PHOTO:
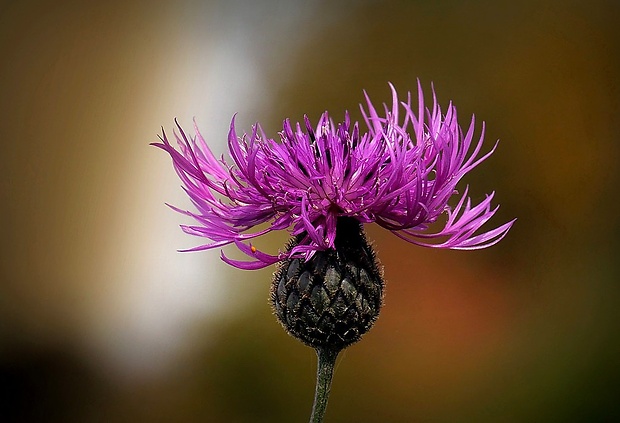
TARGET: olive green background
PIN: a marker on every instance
(102, 320)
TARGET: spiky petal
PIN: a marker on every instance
(401, 172)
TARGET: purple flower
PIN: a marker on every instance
(401, 171)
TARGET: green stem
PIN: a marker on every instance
(324, 373)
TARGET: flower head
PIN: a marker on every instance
(400, 171)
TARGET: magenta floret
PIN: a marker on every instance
(400, 172)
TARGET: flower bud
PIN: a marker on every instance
(331, 300)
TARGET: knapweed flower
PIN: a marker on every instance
(400, 172)
(323, 183)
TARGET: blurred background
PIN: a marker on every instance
(102, 320)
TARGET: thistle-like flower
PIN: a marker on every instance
(322, 184)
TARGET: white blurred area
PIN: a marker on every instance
(89, 250)
(158, 298)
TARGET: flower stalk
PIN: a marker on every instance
(324, 373)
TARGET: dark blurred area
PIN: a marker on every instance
(102, 320)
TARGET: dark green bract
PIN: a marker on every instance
(334, 298)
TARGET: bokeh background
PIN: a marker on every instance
(102, 320)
